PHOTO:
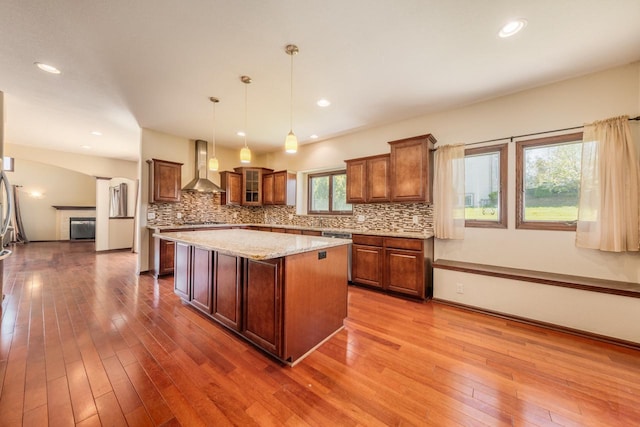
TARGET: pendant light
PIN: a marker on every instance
(213, 161)
(245, 153)
(291, 142)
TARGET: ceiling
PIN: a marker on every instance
(154, 64)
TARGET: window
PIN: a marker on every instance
(328, 193)
(548, 182)
(485, 184)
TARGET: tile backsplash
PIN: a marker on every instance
(194, 206)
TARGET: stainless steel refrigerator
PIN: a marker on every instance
(6, 201)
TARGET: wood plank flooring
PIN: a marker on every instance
(85, 341)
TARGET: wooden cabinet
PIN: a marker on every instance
(201, 260)
(279, 188)
(166, 259)
(267, 189)
(399, 265)
(368, 179)
(404, 266)
(182, 274)
(262, 305)
(356, 180)
(165, 180)
(231, 183)
(410, 170)
(252, 185)
(367, 256)
(227, 290)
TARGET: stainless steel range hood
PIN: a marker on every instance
(201, 183)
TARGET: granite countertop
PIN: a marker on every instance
(388, 233)
(252, 244)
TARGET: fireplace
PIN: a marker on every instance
(82, 228)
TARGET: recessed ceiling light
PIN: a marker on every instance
(48, 68)
(512, 27)
(86, 147)
(96, 133)
(323, 102)
(314, 136)
(240, 133)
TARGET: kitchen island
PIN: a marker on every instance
(286, 294)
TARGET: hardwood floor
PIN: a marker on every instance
(85, 341)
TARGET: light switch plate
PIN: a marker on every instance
(360, 218)
(151, 215)
(179, 215)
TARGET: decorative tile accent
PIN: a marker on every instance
(195, 206)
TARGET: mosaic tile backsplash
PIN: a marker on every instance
(194, 206)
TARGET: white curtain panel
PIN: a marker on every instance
(608, 217)
(448, 192)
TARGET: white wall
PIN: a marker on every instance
(564, 104)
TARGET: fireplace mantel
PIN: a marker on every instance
(74, 208)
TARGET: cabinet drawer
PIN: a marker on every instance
(361, 239)
(403, 243)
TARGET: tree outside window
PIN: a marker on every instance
(328, 193)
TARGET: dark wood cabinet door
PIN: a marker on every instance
(164, 181)
(284, 188)
(404, 272)
(366, 267)
(182, 271)
(201, 297)
(231, 182)
(411, 169)
(262, 305)
(227, 290)
(378, 188)
(167, 256)
(268, 189)
(356, 181)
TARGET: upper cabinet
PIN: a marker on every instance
(368, 179)
(279, 188)
(252, 185)
(165, 180)
(411, 169)
(231, 183)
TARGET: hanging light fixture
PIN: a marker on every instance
(213, 161)
(245, 153)
(291, 142)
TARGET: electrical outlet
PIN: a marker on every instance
(415, 219)
(179, 215)
(460, 288)
(235, 215)
(151, 215)
(290, 217)
(361, 218)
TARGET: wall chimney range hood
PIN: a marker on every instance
(200, 182)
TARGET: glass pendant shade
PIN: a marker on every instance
(213, 164)
(245, 155)
(291, 143)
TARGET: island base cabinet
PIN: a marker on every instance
(227, 290)
(262, 307)
(315, 299)
(201, 279)
(182, 273)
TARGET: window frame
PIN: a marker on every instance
(329, 174)
(521, 223)
(502, 150)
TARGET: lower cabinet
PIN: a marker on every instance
(201, 285)
(227, 290)
(182, 272)
(399, 265)
(367, 260)
(262, 306)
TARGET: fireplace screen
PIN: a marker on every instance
(82, 228)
